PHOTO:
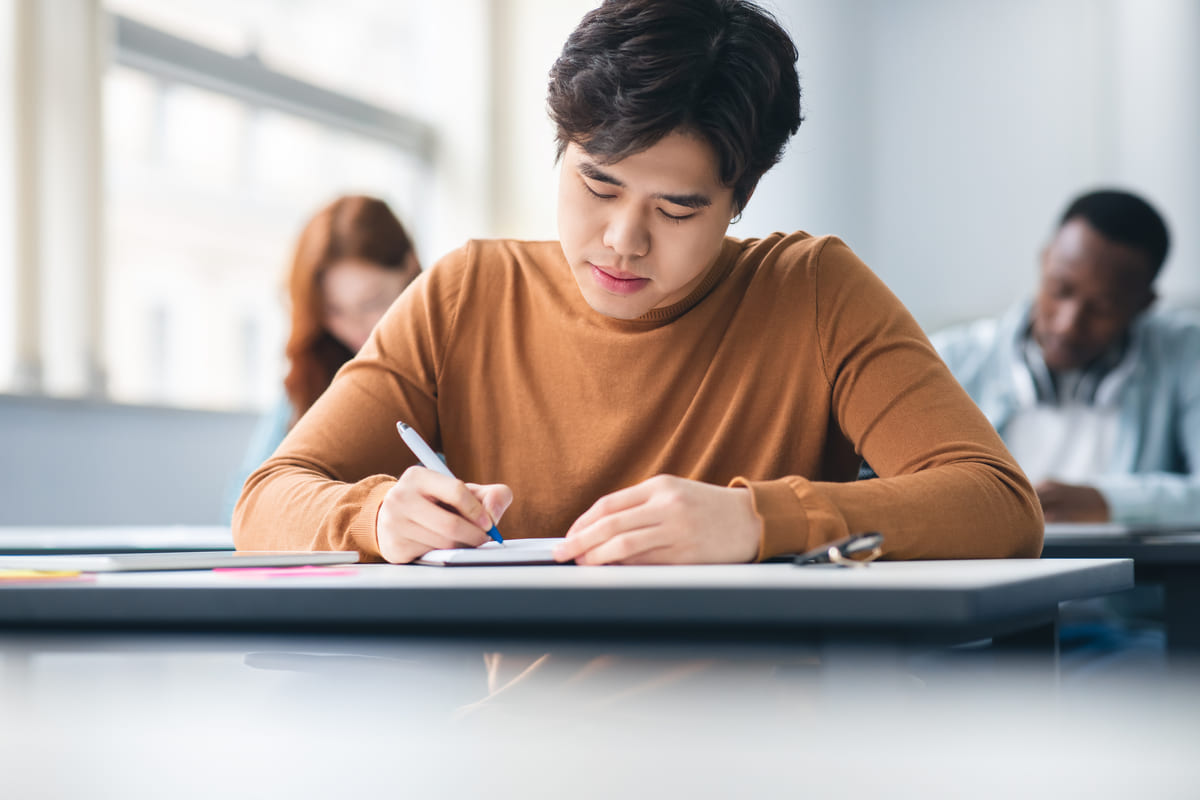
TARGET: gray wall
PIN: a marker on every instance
(944, 137)
(71, 462)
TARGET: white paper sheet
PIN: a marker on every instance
(513, 552)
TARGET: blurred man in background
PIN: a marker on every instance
(1097, 397)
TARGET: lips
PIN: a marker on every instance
(616, 280)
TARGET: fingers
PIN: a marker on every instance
(427, 511)
(621, 538)
(1064, 502)
(624, 527)
(496, 498)
(1049, 487)
(641, 546)
(454, 494)
(441, 525)
(406, 529)
(612, 503)
(666, 519)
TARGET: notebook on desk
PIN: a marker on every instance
(513, 553)
(200, 559)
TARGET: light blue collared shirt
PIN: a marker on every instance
(1153, 474)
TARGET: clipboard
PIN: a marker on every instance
(513, 553)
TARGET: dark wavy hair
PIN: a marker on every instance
(634, 71)
(352, 226)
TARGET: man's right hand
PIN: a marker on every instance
(428, 511)
(1066, 502)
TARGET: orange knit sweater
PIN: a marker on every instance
(789, 363)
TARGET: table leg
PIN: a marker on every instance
(1181, 596)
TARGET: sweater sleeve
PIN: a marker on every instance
(267, 435)
(323, 487)
(947, 486)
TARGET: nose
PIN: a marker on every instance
(627, 233)
(1069, 319)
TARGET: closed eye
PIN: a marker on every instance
(594, 193)
(666, 214)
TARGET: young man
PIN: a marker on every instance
(654, 390)
(1098, 400)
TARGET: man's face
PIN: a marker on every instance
(1091, 289)
(642, 232)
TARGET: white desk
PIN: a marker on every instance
(942, 601)
(401, 711)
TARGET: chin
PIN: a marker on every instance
(610, 305)
(615, 309)
(1066, 364)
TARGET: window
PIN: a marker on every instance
(157, 161)
(213, 162)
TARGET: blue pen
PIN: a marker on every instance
(430, 460)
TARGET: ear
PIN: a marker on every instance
(737, 214)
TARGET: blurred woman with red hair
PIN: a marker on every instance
(352, 259)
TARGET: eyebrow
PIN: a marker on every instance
(590, 170)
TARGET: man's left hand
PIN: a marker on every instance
(1065, 502)
(666, 520)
